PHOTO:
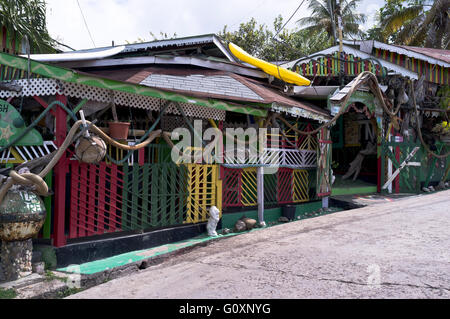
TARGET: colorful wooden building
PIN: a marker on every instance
(401, 70)
(158, 86)
(195, 84)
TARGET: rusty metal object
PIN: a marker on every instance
(22, 214)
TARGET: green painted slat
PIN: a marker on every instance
(410, 176)
(125, 195)
(270, 189)
(173, 183)
(352, 64)
(145, 181)
(432, 166)
(154, 196)
(163, 198)
(135, 196)
(183, 177)
(157, 195)
(321, 66)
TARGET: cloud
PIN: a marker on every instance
(128, 20)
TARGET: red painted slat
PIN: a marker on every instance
(284, 185)
(93, 208)
(231, 188)
(74, 204)
(102, 220)
(115, 198)
(83, 199)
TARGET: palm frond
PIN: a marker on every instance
(396, 20)
(27, 17)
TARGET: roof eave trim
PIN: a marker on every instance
(72, 76)
(409, 53)
(299, 112)
(221, 47)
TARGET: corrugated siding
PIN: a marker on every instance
(330, 65)
(433, 73)
(10, 42)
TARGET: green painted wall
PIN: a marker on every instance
(270, 215)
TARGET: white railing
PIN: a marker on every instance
(27, 153)
(290, 158)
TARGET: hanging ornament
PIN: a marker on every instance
(90, 149)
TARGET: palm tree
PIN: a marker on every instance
(324, 18)
(419, 24)
(27, 18)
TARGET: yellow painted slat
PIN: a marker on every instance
(18, 159)
(203, 187)
(249, 187)
(301, 181)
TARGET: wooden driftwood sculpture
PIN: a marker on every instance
(355, 165)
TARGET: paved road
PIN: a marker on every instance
(399, 249)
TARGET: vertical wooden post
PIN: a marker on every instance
(324, 188)
(260, 191)
(397, 179)
(60, 171)
(380, 166)
(389, 162)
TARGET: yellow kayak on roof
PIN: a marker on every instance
(269, 68)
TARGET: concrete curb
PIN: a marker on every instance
(91, 280)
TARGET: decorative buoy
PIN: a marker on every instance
(22, 214)
(90, 149)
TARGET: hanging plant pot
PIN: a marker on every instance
(119, 130)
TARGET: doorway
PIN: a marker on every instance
(354, 161)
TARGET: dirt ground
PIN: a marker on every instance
(397, 249)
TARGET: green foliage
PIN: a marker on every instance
(27, 18)
(258, 40)
(374, 33)
(323, 17)
(68, 291)
(162, 36)
(7, 293)
(250, 36)
(444, 94)
(413, 22)
(49, 276)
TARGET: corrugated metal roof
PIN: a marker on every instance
(443, 55)
(214, 84)
(425, 54)
(194, 40)
(98, 53)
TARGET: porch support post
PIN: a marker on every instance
(60, 171)
(325, 203)
(390, 166)
(260, 191)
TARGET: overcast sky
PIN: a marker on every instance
(128, 20)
